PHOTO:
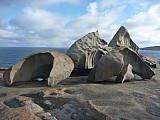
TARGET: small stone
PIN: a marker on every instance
(74, 116)
(67, 111)
(2, 95)
(139, 95)
(154, 111)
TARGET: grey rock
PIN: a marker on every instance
(51, 65)
(85, 52)
(139, 66)
(120, 62)
(122, 39)
(126, 74)
(108, 66)
(152, 62)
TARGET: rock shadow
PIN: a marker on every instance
(30, 84)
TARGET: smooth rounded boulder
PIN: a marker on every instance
(51, 65)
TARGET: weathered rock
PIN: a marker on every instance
(119, 62)
(108, 66)
(152, 62)
(47, 64)
(27, 109)
(2, 70)
(126, 74)
(139, 66)
(123, 39)
(85, 52)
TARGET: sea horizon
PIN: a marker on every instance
(11, 55)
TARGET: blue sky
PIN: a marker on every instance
(58, 23)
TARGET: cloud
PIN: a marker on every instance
(144, 26)
(92, 8)
(36, 25)
(37, 19)
(45, 28)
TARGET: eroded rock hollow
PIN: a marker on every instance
(86, 52)
(51, 65)
(122, 39)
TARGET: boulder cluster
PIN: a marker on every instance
(119, 59)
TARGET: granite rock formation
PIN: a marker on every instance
(122, 39)
(109, 65)
(51, 65)
(139, 66)
(85, 52)
(121, 62)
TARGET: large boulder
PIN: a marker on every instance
(85, 52)
(139, 66)
(122, 39)
(122, 63)
(111, 64)
(51, 65)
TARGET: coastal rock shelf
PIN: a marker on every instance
(120, 58)
(105, 101)
(85, 83)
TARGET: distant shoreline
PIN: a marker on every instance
(151, 48)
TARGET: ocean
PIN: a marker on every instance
(11, 55)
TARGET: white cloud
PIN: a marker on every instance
(45, 28)
(92, 8)
(37, 19)
(37, 26)
(144, 27)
